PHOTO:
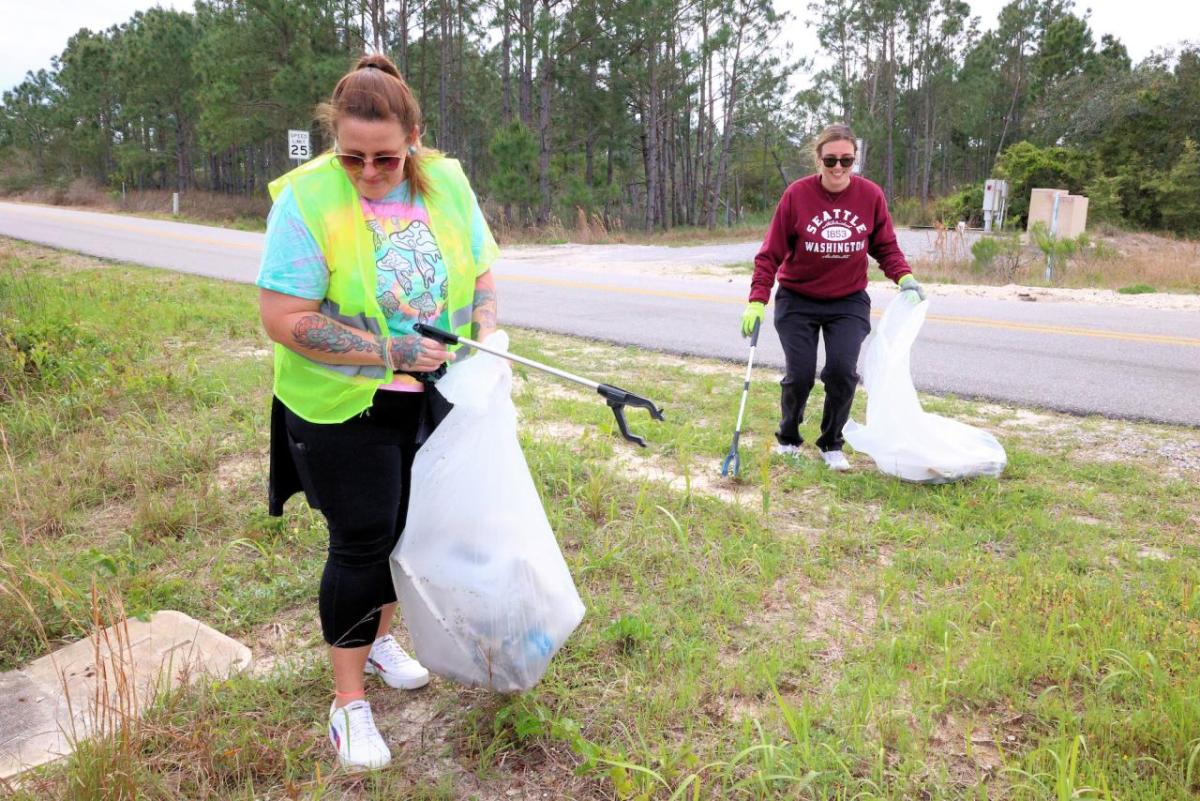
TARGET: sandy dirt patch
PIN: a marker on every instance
(1096, 297)
(1174, 450)
(241, 471)
(970, 750)
(291, 638)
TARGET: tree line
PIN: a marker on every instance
(644, 113)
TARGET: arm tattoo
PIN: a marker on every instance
(318, 332)
(483, 315)
(405, 351)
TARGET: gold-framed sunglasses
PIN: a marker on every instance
(353, 163)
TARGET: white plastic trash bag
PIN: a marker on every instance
(482, 585)
(904, 440)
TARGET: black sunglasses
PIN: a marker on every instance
(352, 163)
(845, 161)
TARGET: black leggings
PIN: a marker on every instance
(357, 473)
(845, 323)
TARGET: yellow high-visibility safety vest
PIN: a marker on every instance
(330, 207)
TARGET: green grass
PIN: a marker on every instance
(793, 634)
(1136, 289)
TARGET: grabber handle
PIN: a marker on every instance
(618, 399)
(445, 337)
(754, 334)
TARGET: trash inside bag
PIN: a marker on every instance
(904, 440)
(482, 584)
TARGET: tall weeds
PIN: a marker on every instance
(107, 747)
(103, 728)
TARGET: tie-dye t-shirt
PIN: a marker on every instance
(410, 271)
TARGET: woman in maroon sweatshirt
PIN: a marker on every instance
(816, 247)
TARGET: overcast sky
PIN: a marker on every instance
(34, 31)
(1141, 28)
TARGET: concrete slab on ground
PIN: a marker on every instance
(90, 686)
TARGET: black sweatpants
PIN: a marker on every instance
(357, 473)
(844, 323)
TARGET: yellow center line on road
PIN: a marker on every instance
(1157, 339)
(57, 215)
(1126, 336)
(977, 322)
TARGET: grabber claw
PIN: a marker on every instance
(616, 397)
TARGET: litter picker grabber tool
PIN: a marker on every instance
(733, 460)
(616, 397)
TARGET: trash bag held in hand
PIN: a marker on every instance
(904, 440)
(482, 585)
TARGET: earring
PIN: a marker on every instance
(412, 150)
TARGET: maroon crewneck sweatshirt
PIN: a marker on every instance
(818, 241)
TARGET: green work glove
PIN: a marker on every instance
(910, 290)
(753, 314)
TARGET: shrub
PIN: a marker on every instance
(998, 256)
(1104, 200)
(1026, 166)
(1139, 191)
(909, 211)
(965, 204)
(1059, 249)
(85, 192)
(1179, 194)
(985, 252)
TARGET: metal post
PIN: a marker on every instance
(1003, 203)
(1053, 239)
(989, 201)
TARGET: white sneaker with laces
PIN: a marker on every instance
(786, 450)
(391, 663)
(836, 461)
(353, 734)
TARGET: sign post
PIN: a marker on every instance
(860, 156)
(1053, 240)
(299, 147)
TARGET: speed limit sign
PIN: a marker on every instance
(298, 146)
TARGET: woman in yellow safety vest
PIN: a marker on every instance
(363, 243)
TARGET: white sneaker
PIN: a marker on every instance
(836, 461)
(786, 450)
(353, 734)
(389, 662)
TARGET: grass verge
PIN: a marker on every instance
(793, 634)
(1126, 261)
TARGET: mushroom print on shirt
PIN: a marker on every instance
(411, 273)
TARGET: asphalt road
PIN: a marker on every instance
(1121, 362)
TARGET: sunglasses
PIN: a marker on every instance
(352, 163)
(830, 161)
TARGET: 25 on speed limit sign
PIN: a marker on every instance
(298, 146)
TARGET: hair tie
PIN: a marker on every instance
(371, 67)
